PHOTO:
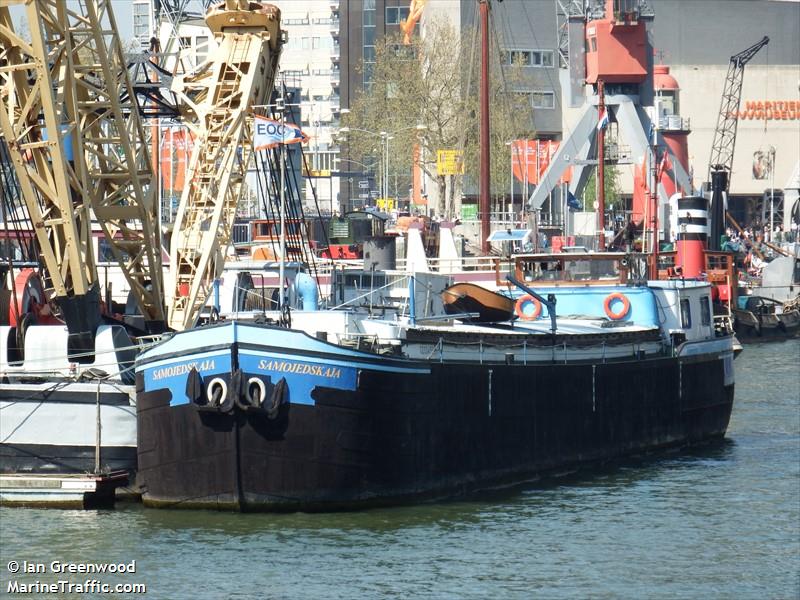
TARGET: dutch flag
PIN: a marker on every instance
(603, 122)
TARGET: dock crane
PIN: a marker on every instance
(218, 99)
(79, 151)
(720, 164)
(727, 122)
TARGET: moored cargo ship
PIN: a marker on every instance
(243, 416)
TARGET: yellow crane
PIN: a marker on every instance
(79, 151)
(218, 101)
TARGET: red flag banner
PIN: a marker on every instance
(533, 157)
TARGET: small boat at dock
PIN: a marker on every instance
(469, 298)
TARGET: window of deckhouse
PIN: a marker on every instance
(686, 314)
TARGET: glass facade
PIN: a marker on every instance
(368, 52)
(396, 14)
(529, 58)
(141, 22)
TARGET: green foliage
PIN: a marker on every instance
(434, 82)
(611, 186)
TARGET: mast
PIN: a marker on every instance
(601, 171)
(484, 130)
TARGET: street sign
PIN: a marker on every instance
(363, 184)
(469, 212)
(363, 195)
(450, 162)
(386, 204)
(374, 193)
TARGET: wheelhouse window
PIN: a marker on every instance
(705, 310)
(686, 314)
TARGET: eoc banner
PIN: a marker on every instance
(269, 133)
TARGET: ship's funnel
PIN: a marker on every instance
(719, 183)
(692, 235)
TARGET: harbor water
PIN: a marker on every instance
(721, 521)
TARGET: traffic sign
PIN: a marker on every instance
(363, 184)
(363, 195)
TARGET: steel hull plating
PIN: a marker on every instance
(447, 430)
(53, 428)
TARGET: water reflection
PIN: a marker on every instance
(720, 520)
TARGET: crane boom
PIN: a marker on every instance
(52, 185)
(414, 15)
(79, 151)
(219, 98)
(727, 122)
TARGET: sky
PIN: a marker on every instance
(123, 13)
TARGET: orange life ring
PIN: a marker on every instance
(626, 306)
(519, 308)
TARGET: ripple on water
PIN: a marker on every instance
(721, 521)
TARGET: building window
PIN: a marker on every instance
(201, 48)
(368, 30)
(538, 98)
(315, 43)
(686, 314)
(301, 21)
(529, 58)
(396, 14)
(141, 20)
(541, 99)
(705, 310)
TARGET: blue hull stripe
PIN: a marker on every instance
(372, 366)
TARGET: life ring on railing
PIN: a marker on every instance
(519, 308)
(626, 306)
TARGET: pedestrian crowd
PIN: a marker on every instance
(753, 244)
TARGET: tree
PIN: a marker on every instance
(433, 82)
(610, 186)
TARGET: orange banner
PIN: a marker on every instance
(534, 156)
(176, 148)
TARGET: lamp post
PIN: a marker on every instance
(368, 173)
(771, 191)
(385, 136)
(315, 116)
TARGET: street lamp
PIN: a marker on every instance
(385, 137)
(369, 172)
(771, 192)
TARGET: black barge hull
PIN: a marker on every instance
(400, 437)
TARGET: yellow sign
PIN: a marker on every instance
(450, 162)
(385, 204)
